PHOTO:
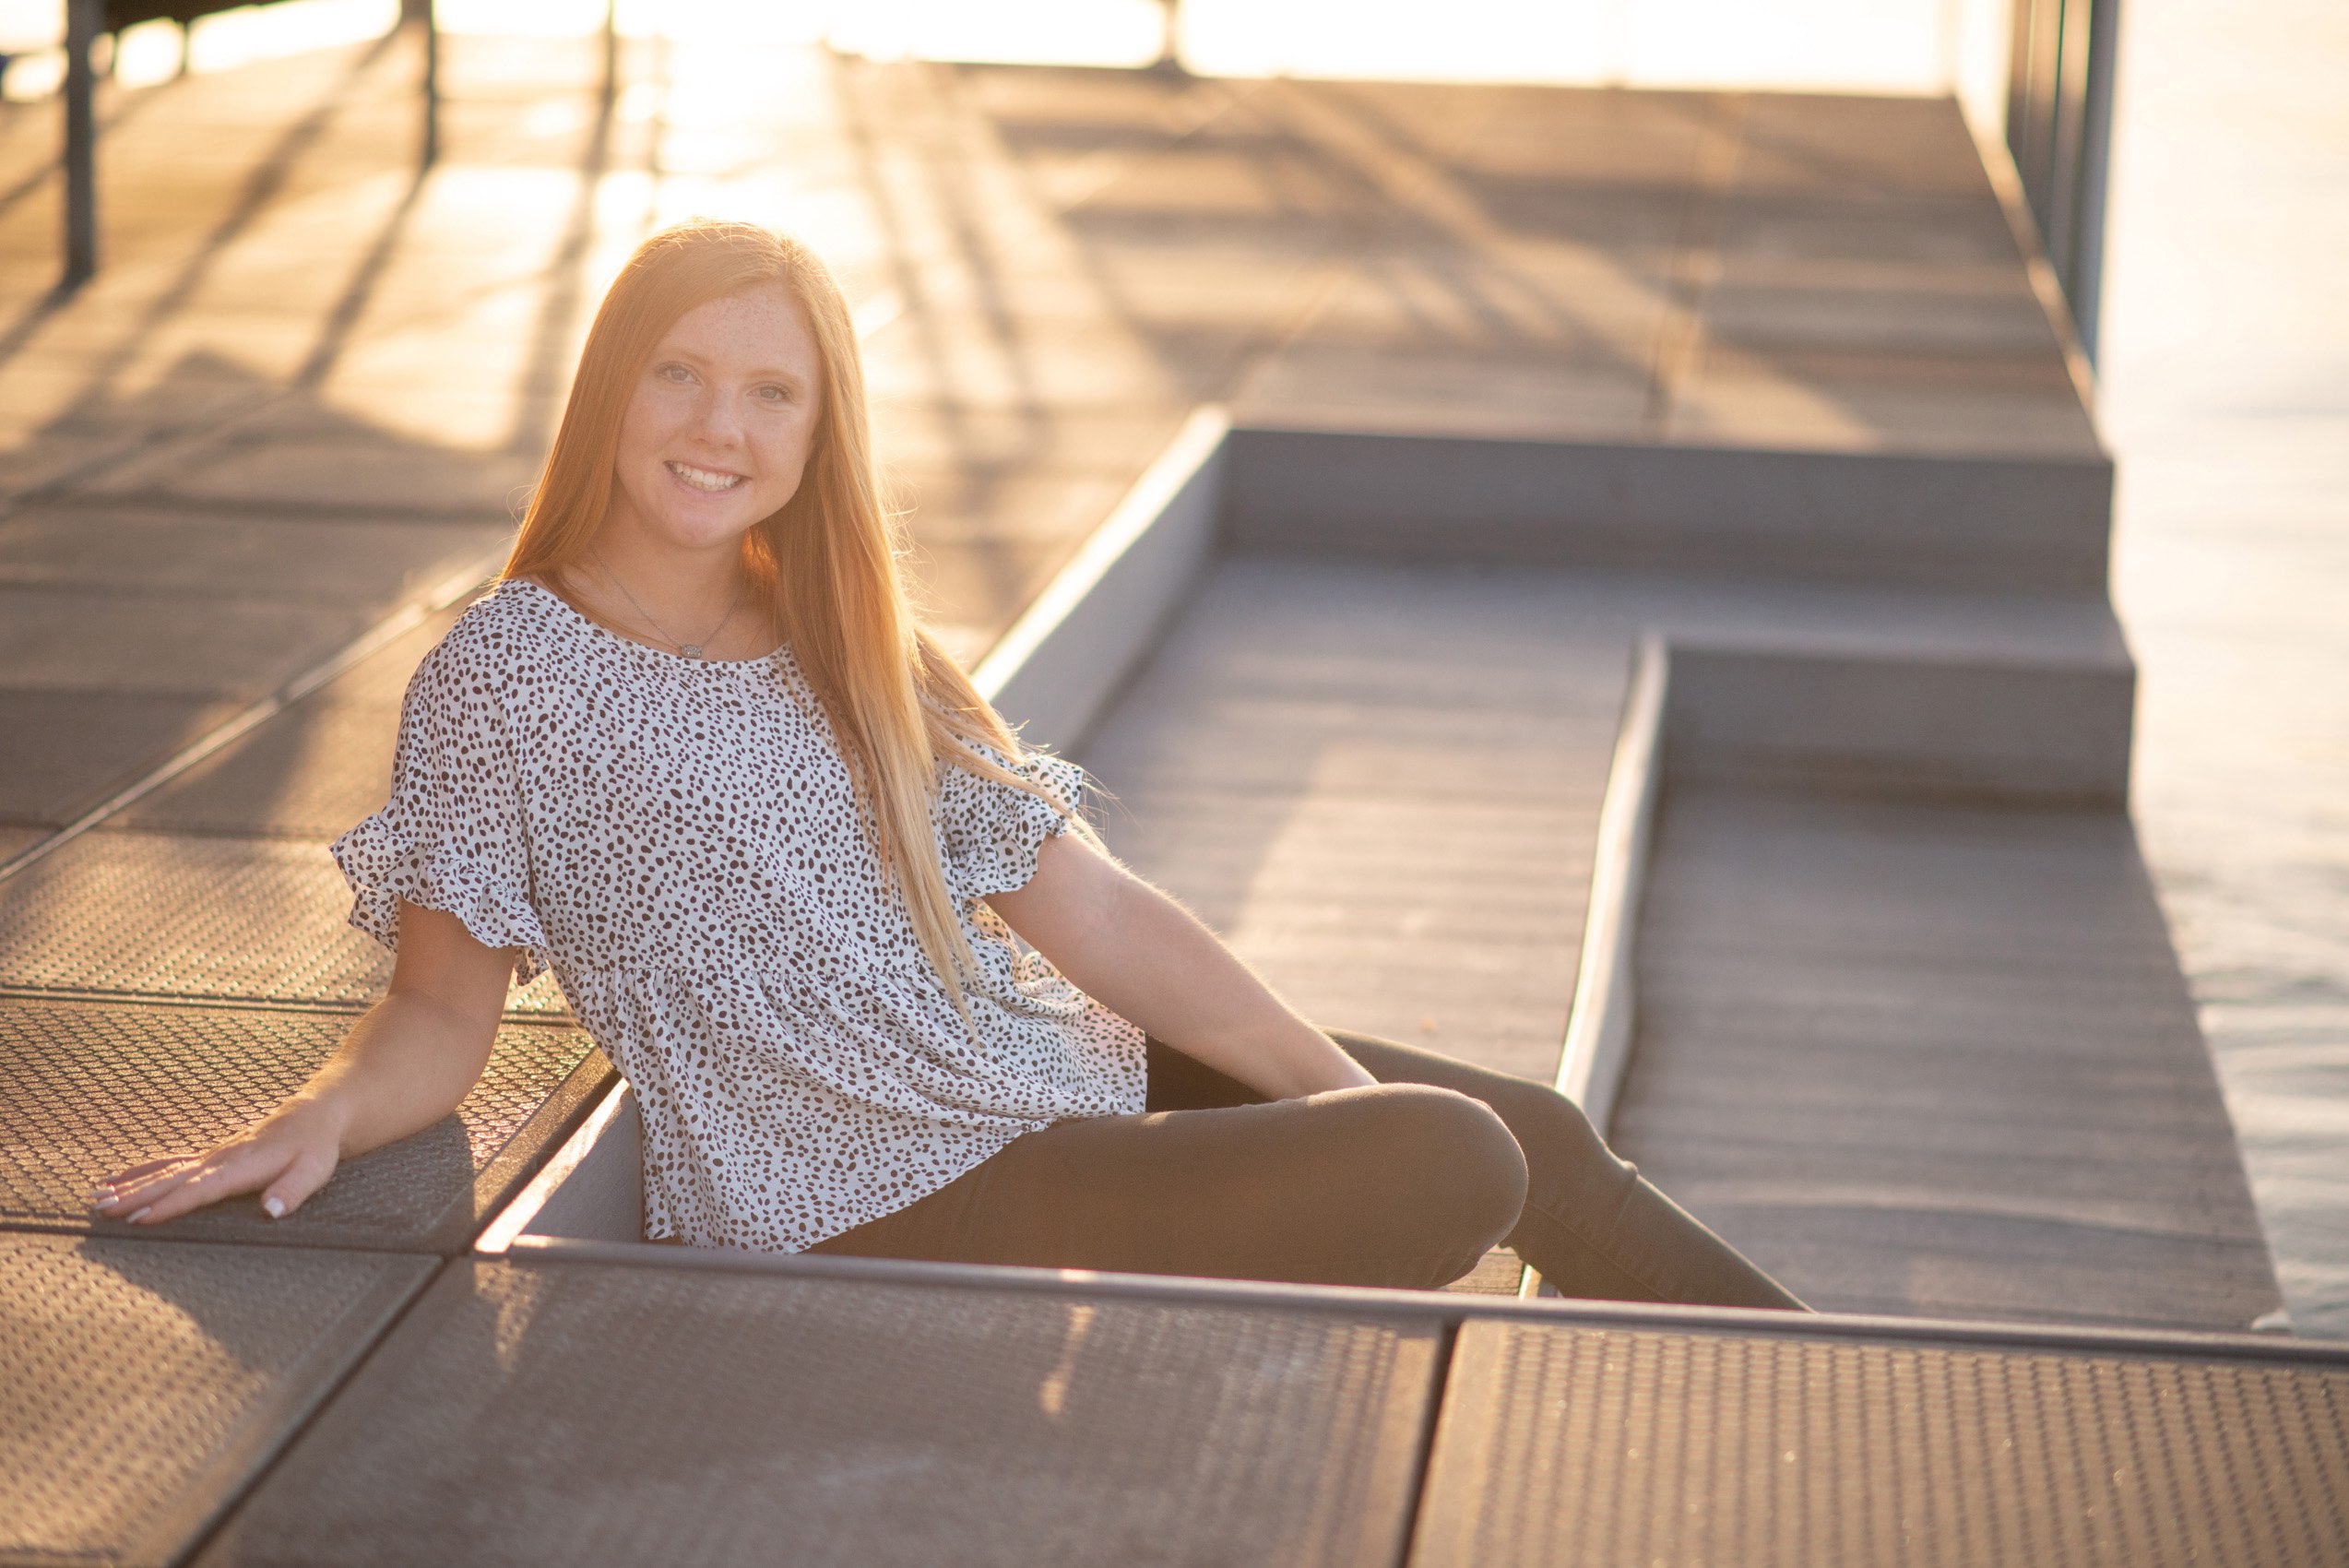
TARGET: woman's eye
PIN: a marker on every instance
(675, 372)
(773, 394)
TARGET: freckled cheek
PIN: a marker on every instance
(646, 430)
(783, 460)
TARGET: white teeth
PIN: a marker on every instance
(703, 479)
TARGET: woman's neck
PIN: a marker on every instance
(664, 573)
(685, 600)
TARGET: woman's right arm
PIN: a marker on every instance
(403, 1066)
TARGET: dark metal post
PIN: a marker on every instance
(419, 12)
(611, 52)
(2060, 199)
(84, 19)
(2086, 285)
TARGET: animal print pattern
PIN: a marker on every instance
(680, 841)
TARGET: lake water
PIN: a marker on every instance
(2227, 401)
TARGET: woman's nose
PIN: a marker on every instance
(715, 418)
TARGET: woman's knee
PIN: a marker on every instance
(1465, 1175)
(1558, 1140)
(1549, 1128)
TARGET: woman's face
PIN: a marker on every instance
(718, 429)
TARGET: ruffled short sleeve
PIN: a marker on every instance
(451, 838)
(991, 832)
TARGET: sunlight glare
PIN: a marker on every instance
(1881, 45)
(148, 53)
(28, 25)
(32, 77)
(1042, 32)
(1072, 33)
(1849, 45)
(520, 18)
(1816, 43)
(741, 21)
(229, 38)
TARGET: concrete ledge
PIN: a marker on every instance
(1057, 667)
(1880, 722)
(1892, 722)
(1598, 1027)
(2036, 526)
(593, 1188)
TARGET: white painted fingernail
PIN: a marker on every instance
(142, 1214)
(276, 1206)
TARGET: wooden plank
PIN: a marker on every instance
(1382, 784)
(1931, 1058)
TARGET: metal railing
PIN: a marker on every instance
(2060, 118)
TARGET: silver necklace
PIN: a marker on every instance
(691, 650)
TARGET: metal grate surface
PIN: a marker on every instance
(88, 1088)
(142, 1383)
(242, 920)
(313, 769)
(1603, 1447)
(1499, 1273)
(577, 1414)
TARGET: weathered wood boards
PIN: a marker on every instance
(1920, 1055)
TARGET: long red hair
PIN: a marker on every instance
(900, 709)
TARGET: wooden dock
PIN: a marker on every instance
(1517, 381)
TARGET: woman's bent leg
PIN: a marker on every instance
(1399, 1184)
(1593, 1225)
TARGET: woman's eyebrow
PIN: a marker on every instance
(702, 362)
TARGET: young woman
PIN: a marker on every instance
(877, 988)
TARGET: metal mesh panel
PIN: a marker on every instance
(1595, 1447)
(579, 1414)
(140, 1382)
(244, 919)
(311, 771)
(88, 1088)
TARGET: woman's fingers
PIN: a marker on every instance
(134, 1202)
(305, 1175)
(284, 1160)
(122, 1195)
(242, 1168)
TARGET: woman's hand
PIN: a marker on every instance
(404, 1066)
(1147, 958)
(285, 1157)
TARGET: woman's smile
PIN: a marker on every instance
(710, 481)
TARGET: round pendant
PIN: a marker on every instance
(693, 650)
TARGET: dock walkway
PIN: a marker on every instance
(1517, 378)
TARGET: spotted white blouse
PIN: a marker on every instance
(680, 841)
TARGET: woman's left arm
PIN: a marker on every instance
(1147, 958)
